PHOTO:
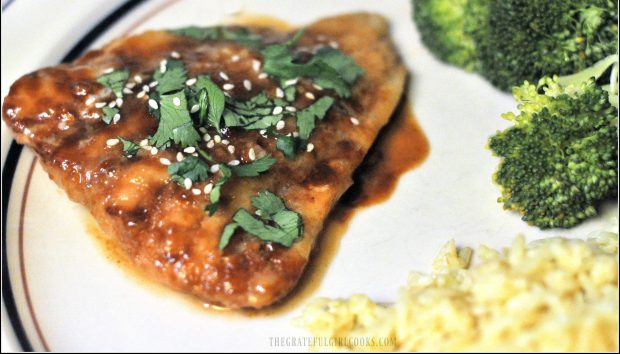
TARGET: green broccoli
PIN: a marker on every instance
(529, 39)
(559, 160)
(443, 29)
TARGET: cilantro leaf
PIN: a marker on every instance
(276, 223)
(173, 79)
(108, 114)
(306, 118)
(239, 35)
(340, 62)
(215, 195)
(129, 147)
(115, 81)
(254, 168)
(253, 114)
(175, 123)
(267, 204)
(213, 107)
(190, 167)
(287, 145)
(227, 233)
(199, 33)
(329, 67)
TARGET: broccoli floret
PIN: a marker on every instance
(443, 29)
(559, 160)
(529, 39)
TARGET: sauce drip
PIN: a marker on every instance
(400, 147)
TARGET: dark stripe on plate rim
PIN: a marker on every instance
(8, 173)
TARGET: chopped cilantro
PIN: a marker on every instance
(173, 79)
(239, 35)
(108, 114)
(329, 67)
(253, 114)
(211, 100)
(190, 167)
(276, 224)
(306, 117)
(175, 123)
(214, 197)
(115, 81)
(129, 147)
(287, 145)
(254, 168)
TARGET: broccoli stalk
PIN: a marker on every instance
(559, 160)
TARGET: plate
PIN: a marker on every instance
(63, 291)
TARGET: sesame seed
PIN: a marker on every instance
(95, 116)
(202, 130)
(235, 58)
(119, 102)
(141, 94)
(137, 79)
(147, 147)
(210, 144)
(90, 100)
(146, 88)
(231, 149)
(189, 150)
(309, 95)
(162, 69)
(175, 54)
(187, 183)
(165, 161)
(291, 109)
(144, 142)
(112, 104)
(100, 104)
(112, 142)
(108, 70)
(127, 91)
(256, 65)
(164, 62)
(334, 44)
(277, 110)
(153, 84)
(317, 87)
(263, 132)
(228, 87)
(218, 139)
(191, 81)
(176, 101)
(355, 121)
(154, 150)
(116, 118)
(153, 104)
(280, 125)
(309, 147)
(262, 76)
(214, 168)
(208, 188)
(247, 84)
(290, 82)
(194, 109)
(206, 137)
(180, 156)
(279, 92)
(130, 85)
(225, 141)
(295, 134)
(196, 191)
(252, 154)
(223, 75)
(234, 163)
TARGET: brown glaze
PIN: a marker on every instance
(400, 147)
(161, 226)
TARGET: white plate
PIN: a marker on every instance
(69, 296)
